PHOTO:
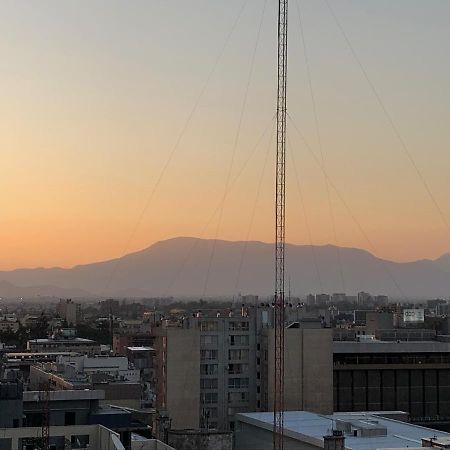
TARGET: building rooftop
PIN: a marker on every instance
(85, 394)
(375, 431)
(141, 349)
(62, 339)
(375, 346)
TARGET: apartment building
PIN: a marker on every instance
(220, 362)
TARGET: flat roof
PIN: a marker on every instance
(141, 349)
(41, 354)
(75, 394)
(391, 347)
(67, 340)
(309, 427)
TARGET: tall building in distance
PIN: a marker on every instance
(69, 311)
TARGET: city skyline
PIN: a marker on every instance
(94, 106)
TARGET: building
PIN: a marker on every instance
(19, 363)
(69, 311)
(338, 297)
(339, 431)
(177, 367)
(64, 340)
(363, 298)
(123, 340)
(8, 323)
(11, 405)
(142, 358)
(322, 299)
(200, 439)
(308, 369)
(378, 320)
(407, 376)
(120, 383)
(220, 364)
(92, 437)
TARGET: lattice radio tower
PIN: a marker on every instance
(280, 204)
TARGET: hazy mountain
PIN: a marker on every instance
(180, 266)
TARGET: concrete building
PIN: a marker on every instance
(120, 383)
(8, 323)
(117, 366)
(11, 405)
(92, 437)
(64, 340)
(123, 340)
(308, 431)
(177, 366)
(69, 311)
(142, 358)
(363, 298)
(200, 439)
(19, 363)
(308, 370)
(378, 320)
(322, 299)
(220, 363)
(338, 297)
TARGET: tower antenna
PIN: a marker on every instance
(280, 204)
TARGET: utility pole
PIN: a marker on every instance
(280, 203)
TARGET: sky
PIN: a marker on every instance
(125, 123)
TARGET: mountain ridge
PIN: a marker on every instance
(178, 267)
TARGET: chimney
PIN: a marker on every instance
(334, 441)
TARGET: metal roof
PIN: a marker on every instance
(310, 428)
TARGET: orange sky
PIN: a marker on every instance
(93, 103)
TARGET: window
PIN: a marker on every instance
(238, 354)
(208, 397)
(208, 354)
(208, 369)
(208, 383)
(237, 383)
(238, 326)
(209, 326)
(237, 369)
(210, 413)
(237, 397)
(239, 339)
(69, 418)
(208, 340)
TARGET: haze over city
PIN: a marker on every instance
(97, 97)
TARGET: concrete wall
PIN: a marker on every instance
(183, 377)
(308, 369)
(318, 371)
(100, 438)
(150, 444)
(197, 440)
(249, 437)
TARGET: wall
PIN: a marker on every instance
(99, 437)
(183, 377)
(250, 437)
(191, 440)
(308, 369)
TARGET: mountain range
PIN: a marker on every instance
(203, 268)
